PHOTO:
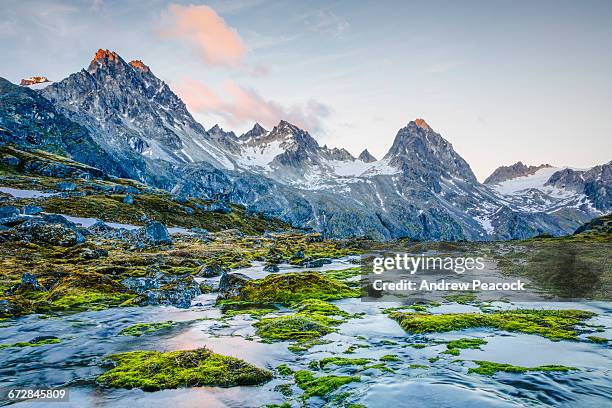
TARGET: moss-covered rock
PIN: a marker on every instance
(291, 287)
(552, 324)
(292, 327)
(152, 370)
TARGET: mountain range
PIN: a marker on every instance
(121, 118)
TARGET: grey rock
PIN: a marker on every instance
(271, 268)
(66, 186)
(231, 284)
(155, 233)
(128, 199)
(210, 271)
(32, 210)
(10, 160)
(43, 232)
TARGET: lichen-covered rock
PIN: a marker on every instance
(66, 186)
(97, 253)
(10, 160)
(128, 199)
(160, 289)
(41, 232)
(231, 284)
(271, 267)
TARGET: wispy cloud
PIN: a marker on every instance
(326, 22)
(203, 28)
(243, 105)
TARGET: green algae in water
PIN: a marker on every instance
(153, 370)
(597, 339)
(139, 329)
(321, 386)
(489, 368)
(552, 324)
(390, 357)
(454, 347)
(283, 369)
(34, 343)
(342, 361)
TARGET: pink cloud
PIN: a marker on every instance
(200, 25)
(245, 106)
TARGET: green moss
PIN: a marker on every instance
(390, 357)
(152, 370)
(283, 369)
(320, 386)
(552, 324)
(320, 307)
(38, 343)
(379, 366)
(417, 345)
(283, 405)
(343, 274)
(343, 361)
(351, 349)
(597, 339)
(416, 366)
(139, 329)
(454, 347)
(461, 298)
(288, 288)
(292, 327)
(490, 368)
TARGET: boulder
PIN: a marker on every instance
(210, 271)
(10, 160)
(128, 199)
(9, 215)
(159, 289)
(316, 263)
(231, 284)
(97, 253)
(32, 210)
(271, 267)
(43, 232)
(66, 186)
(155, 233)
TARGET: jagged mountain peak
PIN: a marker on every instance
(218, 131)
(420, 151)
(105, 59)
(254, 133)
(366, 157)
(139, 65)
(422, 124)
(291, 136)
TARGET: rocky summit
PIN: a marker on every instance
(120, 118)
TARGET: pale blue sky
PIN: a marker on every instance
(502, 81)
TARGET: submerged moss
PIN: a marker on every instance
(139, 329)
(490, 368)
(321, 386)
(152, 370)
(342, 361)
(390, 357)
(33, 343)
(461, 298)
(552, 324)
(597, 339)
(454, 347)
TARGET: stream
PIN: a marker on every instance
(87, 337)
